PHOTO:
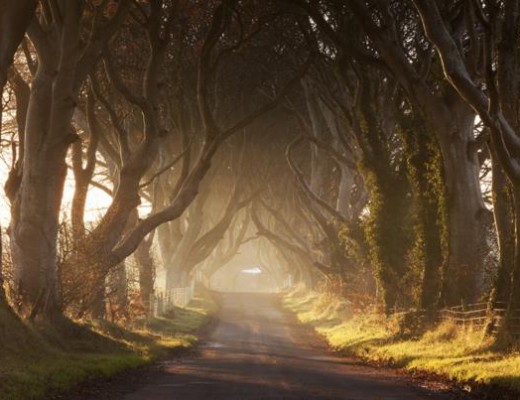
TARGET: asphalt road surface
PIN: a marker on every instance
(257, 351)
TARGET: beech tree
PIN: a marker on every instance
(352, 141)
(495, 103)
(57, 31)
(36, 199)
(14, 19)
(396, 42)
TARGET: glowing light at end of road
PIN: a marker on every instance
(252, 270)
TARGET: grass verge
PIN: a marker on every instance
(462, 355)
(36, 360)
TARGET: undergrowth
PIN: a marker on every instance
(461, 354)
(38, 360)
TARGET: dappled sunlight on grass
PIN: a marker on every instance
(461, 354)
(36, 360)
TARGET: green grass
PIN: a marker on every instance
(464, 355)
(36, 360)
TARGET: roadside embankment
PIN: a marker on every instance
(462, 355)
(36, 360)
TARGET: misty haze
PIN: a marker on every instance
(260, 199)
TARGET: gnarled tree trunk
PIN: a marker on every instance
(35, 210)
(466, 212)
(146, 264)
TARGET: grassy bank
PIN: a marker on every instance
(459, 354)
(37, 360)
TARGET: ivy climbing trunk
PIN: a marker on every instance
(427, 185)
(504, 224)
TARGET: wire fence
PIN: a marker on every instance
(481, 315)
(477, 316)
(288, 282)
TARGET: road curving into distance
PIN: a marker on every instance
(257, 351)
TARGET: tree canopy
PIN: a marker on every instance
(369, 146)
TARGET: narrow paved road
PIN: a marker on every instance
(256, 351)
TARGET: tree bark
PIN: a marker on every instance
(514, 295)
(63, 64)
(118, 292)
(34, 221)
(83, 175)
(15, 17)
(427, 187)
(146, 264)
(175, 272)
(504, 224)
(466, 215)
